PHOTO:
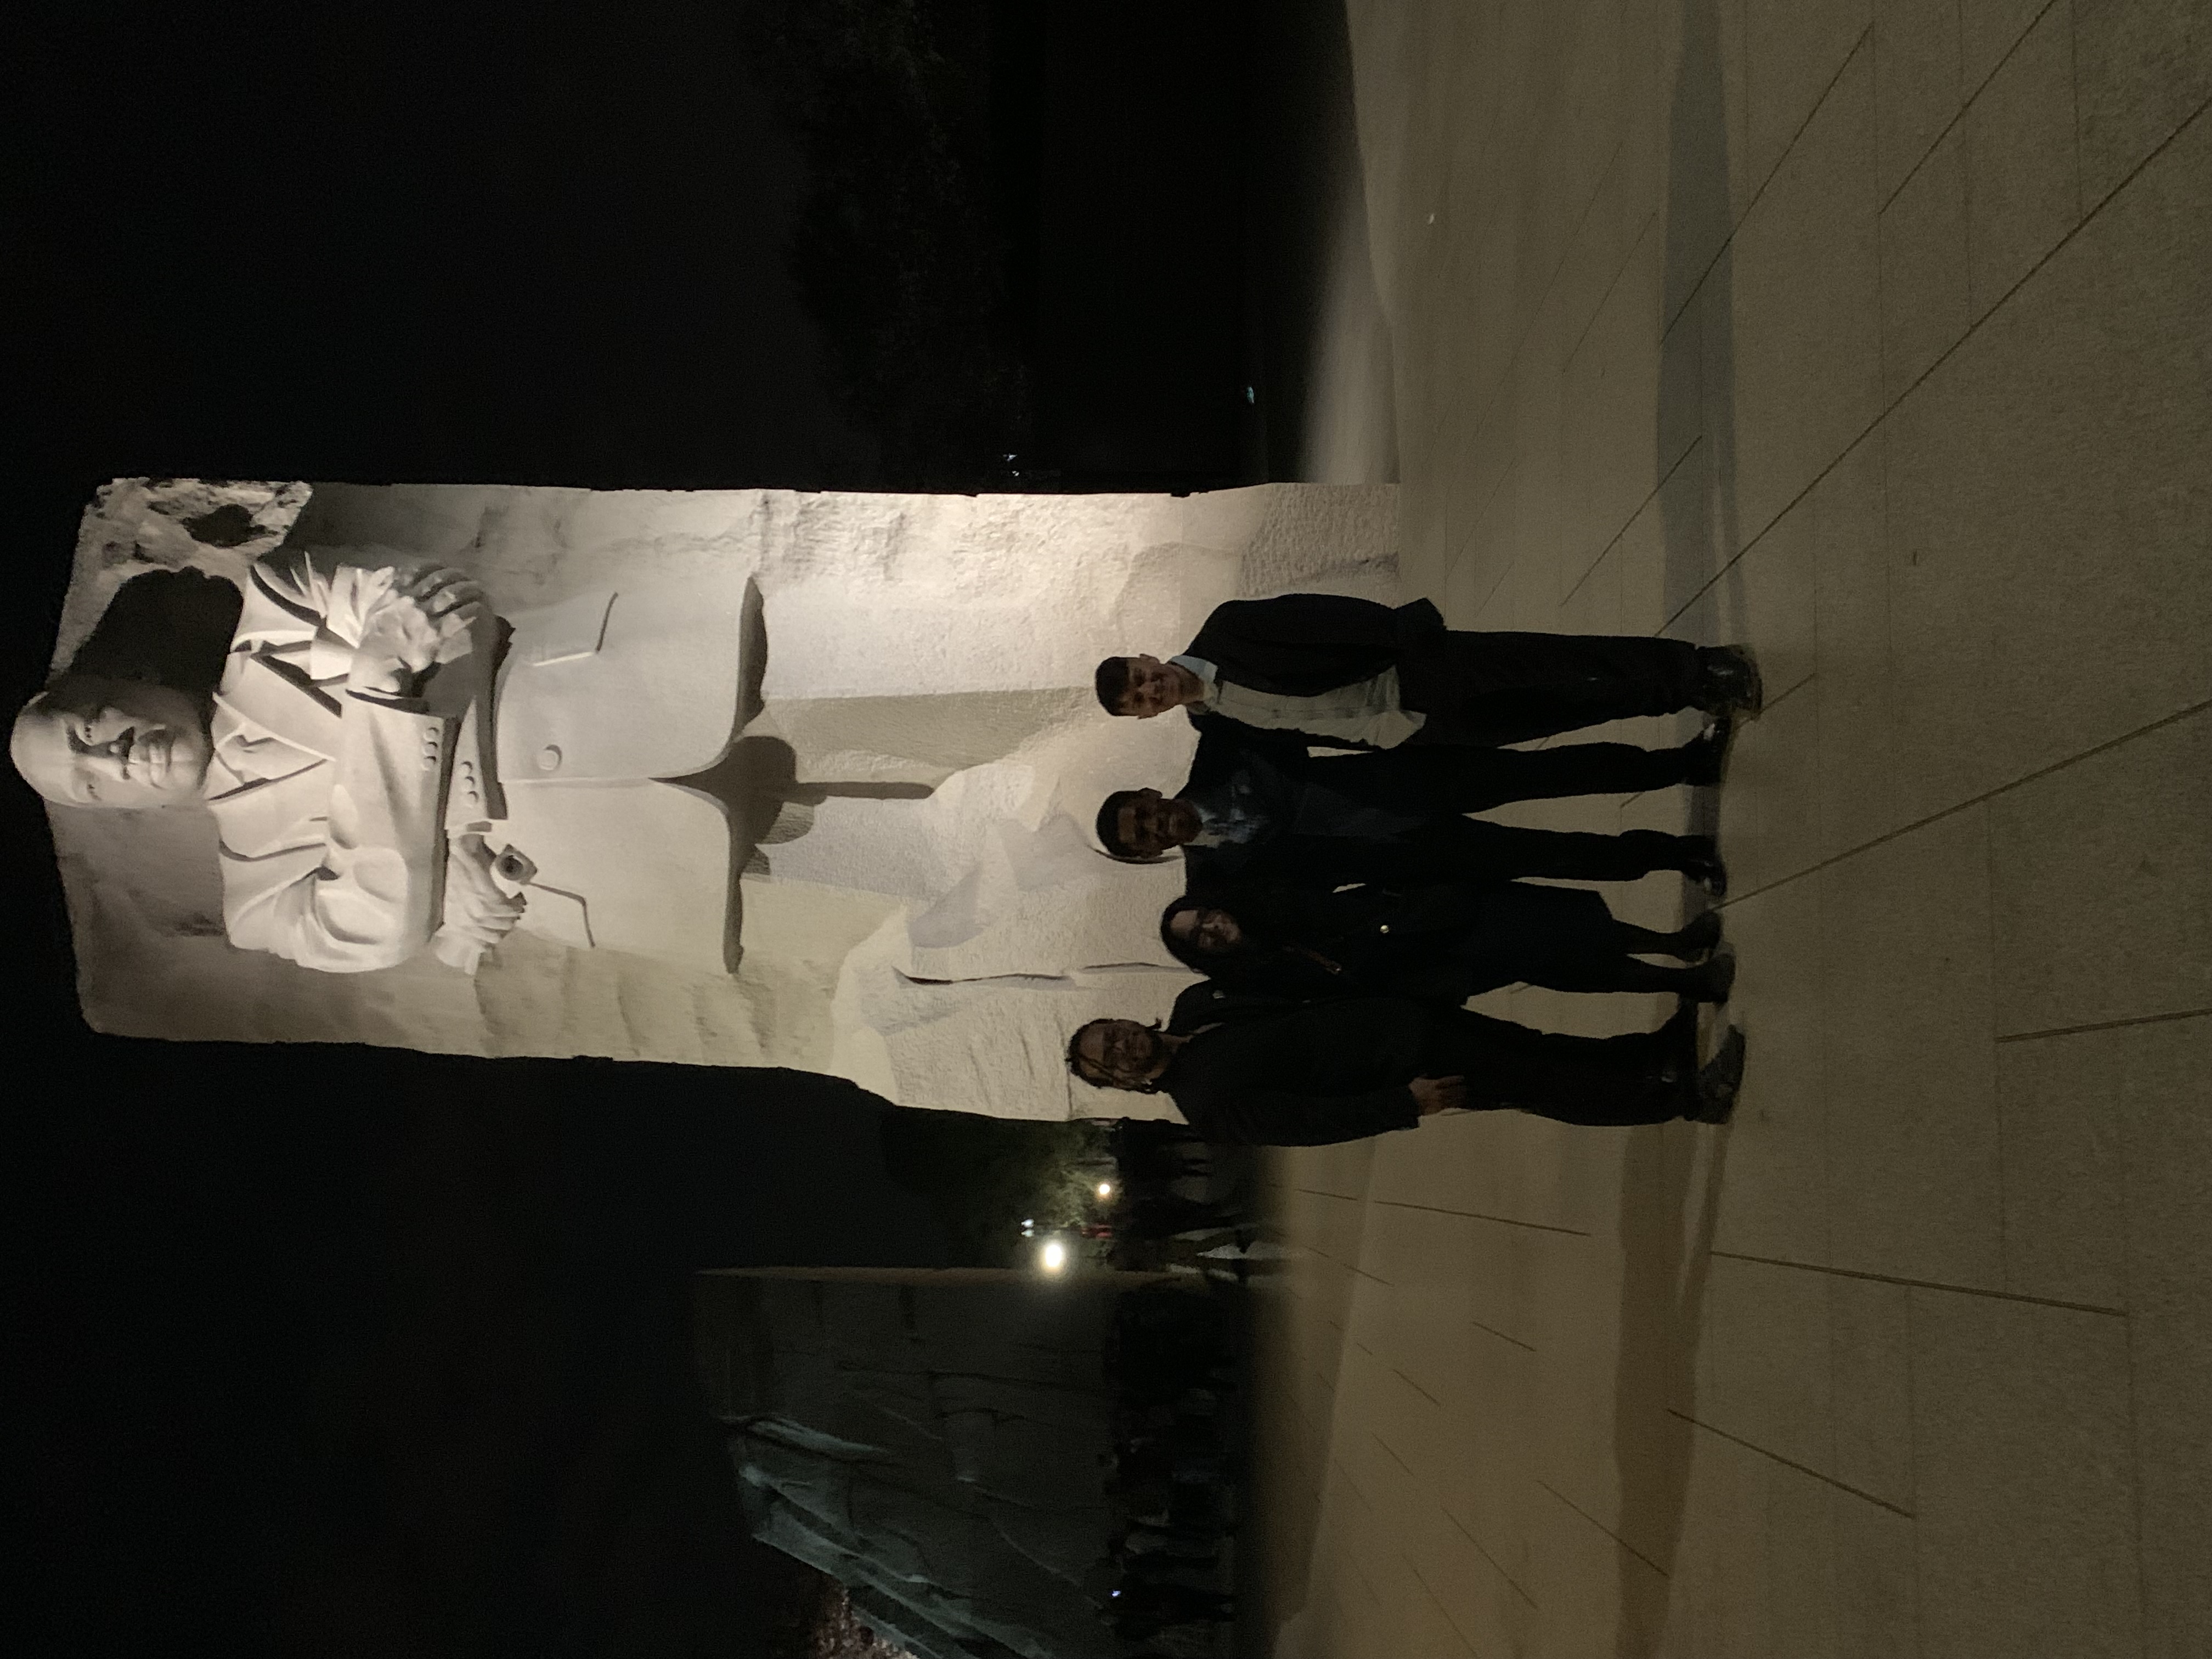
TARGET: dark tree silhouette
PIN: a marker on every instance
(983, 1176)
(901, 248)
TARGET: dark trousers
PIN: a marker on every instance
(1562, 938)
(1445, 778)
(1488, 688)
(1646, 1078)
(1483, 851)
(1448, 849)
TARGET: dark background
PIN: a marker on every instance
(342, 1351)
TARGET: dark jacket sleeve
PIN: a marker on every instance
(1301, 644)
(1224, 745)
(1271, 1117)
(1443, 907)
(1317, 619)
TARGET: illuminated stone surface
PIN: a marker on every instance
(908, 800)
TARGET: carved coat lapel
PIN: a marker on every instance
(298, 728)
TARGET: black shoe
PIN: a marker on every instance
(1716, 978)
(1704, 757)
(1729, 681)
(1698, 935)
(1720, 1081)
(1702, 865)
(1677, 1042)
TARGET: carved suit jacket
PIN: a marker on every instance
(334, 810)
(330, 807)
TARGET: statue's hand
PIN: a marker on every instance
(477, 906)
(426, 620)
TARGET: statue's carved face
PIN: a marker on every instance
(88, 741)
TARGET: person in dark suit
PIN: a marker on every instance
(1260, 1071)
(1352, 671)
(1447, 942)
(1258, 808)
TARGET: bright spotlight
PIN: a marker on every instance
(1105, 1189)
(1053, 1257)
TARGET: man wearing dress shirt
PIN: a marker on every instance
(1258, 808)
(1354, 673)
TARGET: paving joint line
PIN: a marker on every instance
(1971, 329)
(1501, 1336)
(1752, 201)
(1477, 1215)
(1606, 1530)
(2105, 1025)
(1923, 1284)
(1509, 1578)
(1439, 1603)
(1417, 1388)
(1965, 102)
(1393, 1452)
(1981, 800)
(1665, 478)
(1790, 1463)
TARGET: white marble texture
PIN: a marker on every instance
(928, 916)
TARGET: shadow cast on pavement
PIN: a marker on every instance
(1666, 1226)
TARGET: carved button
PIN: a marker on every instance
(469, 795)
(468, 772)
(429, 763)
(1384, 928)
(549, 758)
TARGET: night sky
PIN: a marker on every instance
(342, 1350)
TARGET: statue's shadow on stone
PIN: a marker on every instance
(757, 782)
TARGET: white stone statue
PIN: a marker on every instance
(347, 756)
(861, 728)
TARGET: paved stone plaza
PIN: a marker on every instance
(1874, 333)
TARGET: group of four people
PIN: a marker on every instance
(1342, 904)
(1344, 907)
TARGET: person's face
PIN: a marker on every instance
(1120, 1054)
(1211, 932)
(1155, 687)
(1149, 823)
(91, 742)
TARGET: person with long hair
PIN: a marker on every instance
(1442, 943)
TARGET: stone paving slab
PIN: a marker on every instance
(1878, 333)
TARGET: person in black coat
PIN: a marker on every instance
(1257, 808)
(1350, 670)
(1447, 942)
(1262, 1071)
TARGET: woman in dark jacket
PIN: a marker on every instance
(1441, 942)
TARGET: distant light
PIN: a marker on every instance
(1053, 1257)
(1105, 1189)
(1251, 396)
